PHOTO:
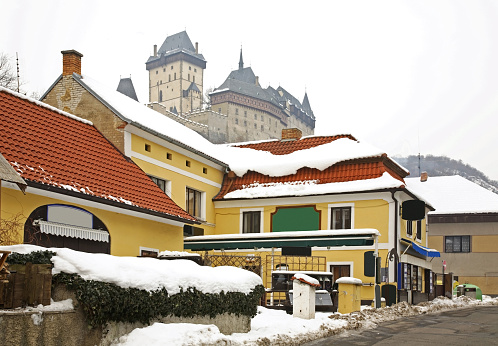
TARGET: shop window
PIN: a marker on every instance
(459, 243)
(194, 202)
(340, 218)
(251, 222)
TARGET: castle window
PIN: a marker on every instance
(262, 118)
(157, 71)
(175, 75)
(245, 123)
(262, 128)
(245, 113)
(237, 121)
(160, 96)
(164, 69)
(255, 126)
(195, 70)
(219, 110)
(193, 79)
(169, 78)
(171, 66)
(236, 111)
(189, 76)
(255, 117)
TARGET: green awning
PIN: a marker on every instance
(331, 238)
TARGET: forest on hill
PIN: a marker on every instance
(443, 165)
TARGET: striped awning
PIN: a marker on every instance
(71, 231)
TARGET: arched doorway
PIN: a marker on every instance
(62, 225)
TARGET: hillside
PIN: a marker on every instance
(442, 165)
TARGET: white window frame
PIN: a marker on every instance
(167, 184)
(339, 205)
(202, 216)
(143, 248)
(241, 219)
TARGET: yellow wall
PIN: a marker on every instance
(179, 181)
(127, 233)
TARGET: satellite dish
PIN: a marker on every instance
(413, 210)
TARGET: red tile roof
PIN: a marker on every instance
(288, 146)
(50, 147)
(350, 170)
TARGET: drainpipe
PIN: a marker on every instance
(395, 234)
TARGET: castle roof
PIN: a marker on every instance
(57, 151)
(177, 43)
(125, 87)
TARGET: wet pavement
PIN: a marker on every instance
(471, 326)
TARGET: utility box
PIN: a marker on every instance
(349, 295)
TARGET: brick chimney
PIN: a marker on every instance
(424, 176)
(291, 134)
(71, 62)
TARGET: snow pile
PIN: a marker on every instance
(276, 327)
(348, 280)
(148, 274)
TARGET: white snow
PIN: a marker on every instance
(453, 195)
(306, 278)
(276, 327)
(348, 280)
(240, 160)
(147, 273)
(311, 187)
(176, 254)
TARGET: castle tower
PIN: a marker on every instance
(176, 74)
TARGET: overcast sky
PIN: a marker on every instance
(405, 76)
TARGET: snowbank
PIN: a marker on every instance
(149, 274)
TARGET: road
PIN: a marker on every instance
(472, 326)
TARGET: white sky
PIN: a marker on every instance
(405, 76)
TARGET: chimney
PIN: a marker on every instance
(257, 80)
(155, 50)
(71, 62)
(197, 48)
(424, 176)
(291, 134)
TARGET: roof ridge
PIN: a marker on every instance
(42, 104)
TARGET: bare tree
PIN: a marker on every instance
(8, 78)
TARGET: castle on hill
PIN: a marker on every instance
(240, 108)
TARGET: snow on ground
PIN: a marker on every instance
(275, 327)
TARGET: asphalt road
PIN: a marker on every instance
(473, 326)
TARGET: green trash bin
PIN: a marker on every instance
(469, 290)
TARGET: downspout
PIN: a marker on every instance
(395, 235)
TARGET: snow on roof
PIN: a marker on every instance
(53, 109)
(348, 280)
(311, 187)
(147, 273)
(242, 160)
(138, 113)
(454, 195)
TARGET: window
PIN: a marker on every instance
(251, 222)
(245, 123)
(187, 163)
(236, 111)
(460, 243)
(195, 70)
(147, 147)
(189, 76)
(340, 271)
(157, 71)
(262, 128)
(340, 218)
(193, 79)
(262, 119)
(219, 110)
(190, 68)
(169, 156)
(236, 121)
(245, 113)
(409, 228)
(255, 126)
(255, 117)
(169, 78)
(171, 66)
(419, 229)
(175, 75)
(160, 96)
(204, 170)
(193, 202)
(164, 69)
(164, 185)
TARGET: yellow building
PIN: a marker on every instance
(81, 193)
(463, 227)
(176, 158)
(323, 183)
